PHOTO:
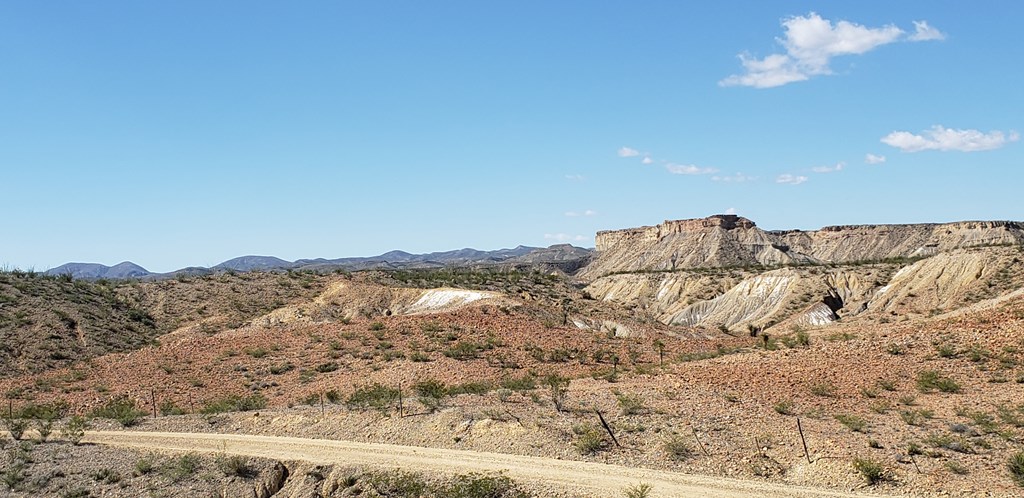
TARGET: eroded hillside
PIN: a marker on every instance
(730, 240)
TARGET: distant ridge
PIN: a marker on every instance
(563, 256)
(122, 270)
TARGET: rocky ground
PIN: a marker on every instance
(31, 468)
(936, 404)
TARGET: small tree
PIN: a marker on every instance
(559, 387)
(44, 427)
(16, 426)
(74, 429)
(660, 346)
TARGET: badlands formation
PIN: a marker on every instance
(853, 360)
(724, 271)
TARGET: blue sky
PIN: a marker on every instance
(186, 133)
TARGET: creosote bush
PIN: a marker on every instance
(122, 409)
(376, 396)
(234, 403)
(74, 429)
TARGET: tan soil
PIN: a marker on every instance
(579, 478)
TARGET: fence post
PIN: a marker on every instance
(699, 445)
(401, 410)
(803, 440)
(608, 428)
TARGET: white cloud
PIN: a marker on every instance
(628, 152)
(688, 169)
(563, 237)
(587, 212)
(737, 178)
(575, 178)
(924, 32)
(811, 42)
(647, 160)
(829, 169)
(730, 211)
(774, 70)
(946, 139)
(791, 179)
(873, 159)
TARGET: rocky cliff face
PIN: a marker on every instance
(730, 240)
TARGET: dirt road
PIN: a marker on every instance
(584, 478)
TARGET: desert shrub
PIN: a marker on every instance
(880, 406)
(419, 357)
(956, 468)
(481, 387)
(377, 326)
(430, 393)
(985, 422)
(784, 407)
(946, 351)
(930, 380)
(45, 411)
(1011, 416)
(143, 466)
(234, 403)
(823, 389)
(852, 422)
(327, 367)
(677, 448)
(106, 475)
(74, 429)
(44, 428)
(122, 409)
(463, 350)
(373, 396)
(915, 417)
(168, 407)
(870, 470)
(1016, 467)
(630, 404)
(527, 382)
(182, 467)
(589, 440)
(397, 483)
(281, 368)
(559, 387)
(958, 444)
(480, 486)
(235, 466)
(13, 475)
(256, 352)
(642, 490)
(16, 426)
(78, 492)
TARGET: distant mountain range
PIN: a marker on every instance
(563, 256)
